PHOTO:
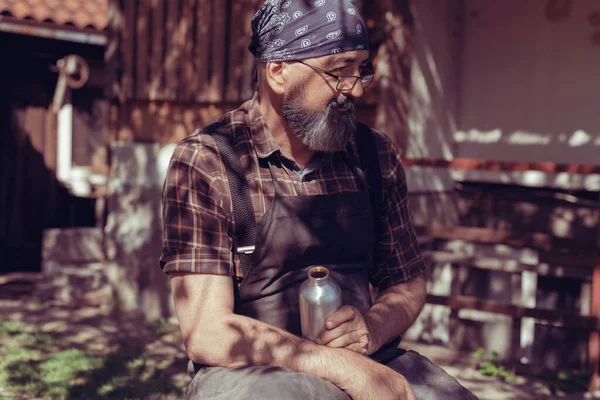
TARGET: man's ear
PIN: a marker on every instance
(275, 76)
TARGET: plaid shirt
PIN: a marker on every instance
(197, 209)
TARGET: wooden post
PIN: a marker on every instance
(141, 62)
(112, 54)
(127, 46)
(157, 73)
(594, 340)
(527, 328)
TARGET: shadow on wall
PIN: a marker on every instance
(134, 227)
(435, 79)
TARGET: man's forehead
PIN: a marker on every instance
(349, 57)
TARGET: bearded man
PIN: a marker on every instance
(281, 184)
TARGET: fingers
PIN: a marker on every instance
(330, 335)
(355, 341)
(344, 314)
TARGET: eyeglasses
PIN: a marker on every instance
(345, 82)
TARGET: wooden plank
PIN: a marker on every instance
(516, 350)
(142, 39)
(557, 318)
(235, 47)
(504, 265)
(218, 52)
(529, 284)
(172, 61)
(156, 56)
(536, 240)
(112, 55)
(247, 82)
(186, 34)
(127, 46)
(20, 277)
(594, 339)
(202, 50)
(512, 166)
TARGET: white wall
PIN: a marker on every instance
(530, 85)
(500, 80)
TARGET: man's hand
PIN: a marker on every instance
(346, 328)
(378, 383)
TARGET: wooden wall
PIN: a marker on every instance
(180, 50)
(174, 66)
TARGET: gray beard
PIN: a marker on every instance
(328, 131)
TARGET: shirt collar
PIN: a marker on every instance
(264, 142)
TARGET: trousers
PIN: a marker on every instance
(427, 380)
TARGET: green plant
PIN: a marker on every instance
(570, 382)
(488, 365)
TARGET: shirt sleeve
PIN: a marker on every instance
(397, 255)
(195, 226)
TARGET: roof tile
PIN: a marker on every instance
(81, 13)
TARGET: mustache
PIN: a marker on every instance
(343, 101)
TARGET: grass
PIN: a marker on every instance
(37, 365)
(487, 365)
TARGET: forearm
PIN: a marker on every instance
(394, 311)
(236, 341)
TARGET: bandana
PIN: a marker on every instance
(299, 29)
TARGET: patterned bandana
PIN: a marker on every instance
(299, 29)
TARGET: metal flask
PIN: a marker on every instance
(319, 296)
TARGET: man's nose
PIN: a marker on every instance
(357, 90)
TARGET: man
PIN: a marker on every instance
(296, 148)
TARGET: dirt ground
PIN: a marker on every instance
(119, 356)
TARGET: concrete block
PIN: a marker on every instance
(72, 245)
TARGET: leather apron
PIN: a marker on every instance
(297, 232)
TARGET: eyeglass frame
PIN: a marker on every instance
(339, 78)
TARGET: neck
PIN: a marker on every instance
(285, 137)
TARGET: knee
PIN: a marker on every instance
(280, 383)
(258, 383)
(428, 380)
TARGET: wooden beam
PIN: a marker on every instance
(142, 33)
(236, 47)
(594, 340)
(536, 240)
(563, 252)
(157, 73)
(202, 47)
(127, 47)
(557, 318)
(187, 80)
(19, 277)
(513, 166)
(112, 56)
(173, 50)
(508, 265)
(218, 50)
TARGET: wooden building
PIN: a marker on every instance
(34, 35)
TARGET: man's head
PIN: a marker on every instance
(314, 57)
